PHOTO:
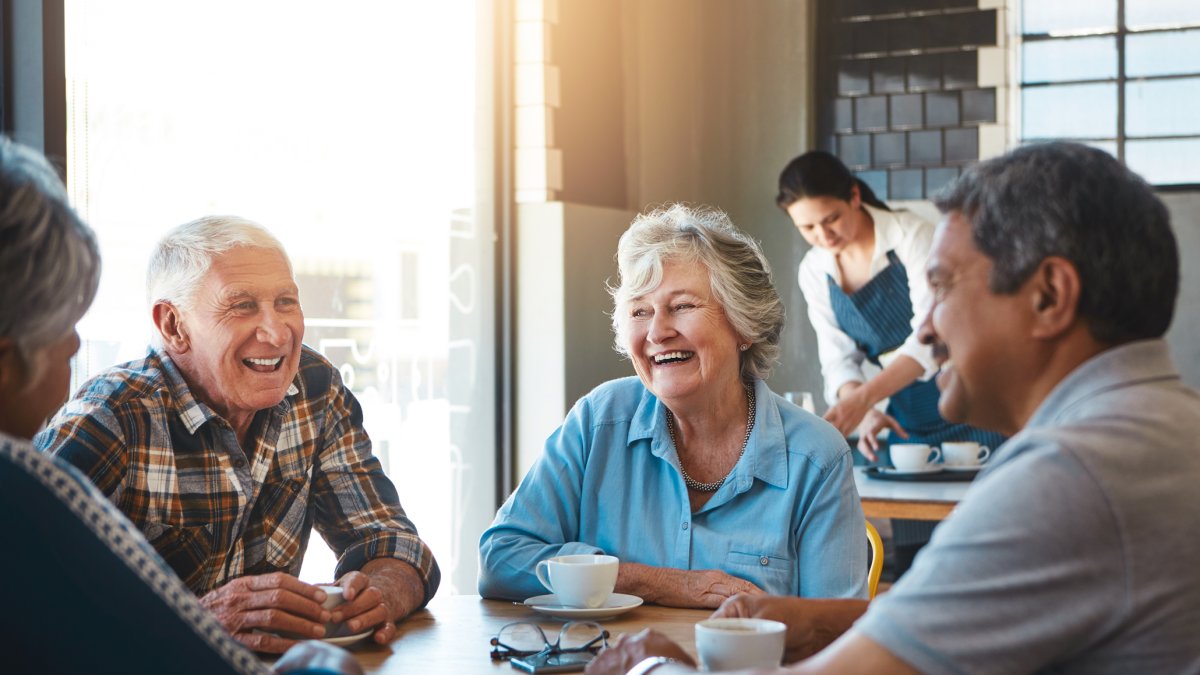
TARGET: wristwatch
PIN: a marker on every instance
(650, 663)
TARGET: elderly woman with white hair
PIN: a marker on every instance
(700, 479)
(85, 591)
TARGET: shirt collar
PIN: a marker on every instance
(888, 234)
(766, 451)
(1128, 364)
(194, 413)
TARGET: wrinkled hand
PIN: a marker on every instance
(385, 591)
(629, 650)
(868, 430)
(364, 607)
(849, 411)
(704, 589)
(277, 602)
(812, 623)
(800, 641)
(312, 656)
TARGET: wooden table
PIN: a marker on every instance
(452, 634)
(913, 501)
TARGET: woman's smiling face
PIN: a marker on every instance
(679, 339)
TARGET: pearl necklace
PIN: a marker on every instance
(694, 484)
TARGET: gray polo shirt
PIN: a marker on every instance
(1078, 549)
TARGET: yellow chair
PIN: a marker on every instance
(876, 559)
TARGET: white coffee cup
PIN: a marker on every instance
(579, 580)
(964, 454)
(334, 596)
(732, 644)
(913, 456)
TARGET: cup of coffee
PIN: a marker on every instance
(334, 596)
(579, 580)
(965, 454)
(732, 644)
(913, 456)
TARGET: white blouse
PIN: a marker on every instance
(841, 360)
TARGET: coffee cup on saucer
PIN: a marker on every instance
(334, 596)
(913, 457)
(964, 454)
(736, 643)
(584, 581)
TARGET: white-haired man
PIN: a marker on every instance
(231, 440)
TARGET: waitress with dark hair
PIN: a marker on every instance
(864, 283)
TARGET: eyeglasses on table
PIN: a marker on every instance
(523, 638)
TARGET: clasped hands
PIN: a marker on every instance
(260, 610)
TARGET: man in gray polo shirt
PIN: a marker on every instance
(1054, 275)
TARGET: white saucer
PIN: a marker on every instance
(897, 472)
(344, 640)
(955, 467)
(340, 640)
(618, 603)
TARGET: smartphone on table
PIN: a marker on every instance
(570, 662)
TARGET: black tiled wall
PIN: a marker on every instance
(902, 104)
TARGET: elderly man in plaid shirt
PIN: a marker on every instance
(230, 440)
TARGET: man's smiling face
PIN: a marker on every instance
(978, 337)
(243, 333)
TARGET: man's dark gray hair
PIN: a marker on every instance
(49, 261)
(1079, 203)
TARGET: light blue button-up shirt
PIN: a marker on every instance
(787, 519)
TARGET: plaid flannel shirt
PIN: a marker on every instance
(214, 512)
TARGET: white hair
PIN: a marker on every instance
(183, 256)
(737, 270)
(49, 261)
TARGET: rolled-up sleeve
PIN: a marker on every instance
(541, 518)
(358, 510)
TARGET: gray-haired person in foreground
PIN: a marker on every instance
(85, 592)
(1054, 274)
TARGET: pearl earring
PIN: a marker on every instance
(744, 347)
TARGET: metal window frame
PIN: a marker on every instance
(1121, 32)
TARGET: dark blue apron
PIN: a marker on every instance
(878, 317)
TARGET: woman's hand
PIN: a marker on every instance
(868, 430)
(849, 411)
(681, 588)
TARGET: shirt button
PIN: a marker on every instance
(685, 526)
(239, 463)
(764, 561)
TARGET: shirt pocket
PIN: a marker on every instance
(187, 550)
(285, 519)
(770, 570)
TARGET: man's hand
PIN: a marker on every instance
(385, 591)
(671, 587)
(275, 604)
(812, 624)
(628, 651)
